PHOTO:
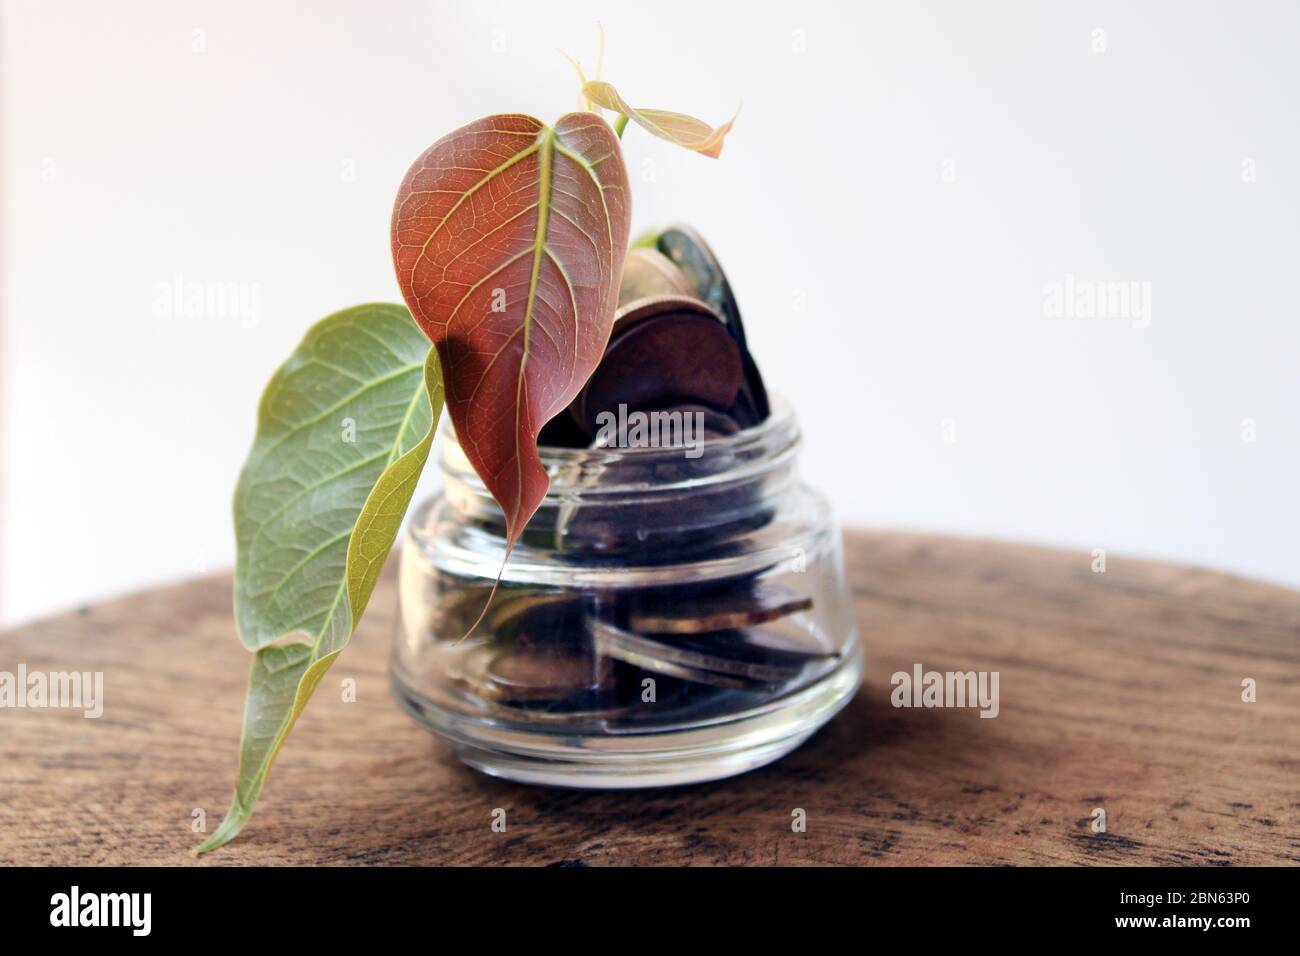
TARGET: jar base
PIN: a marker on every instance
(625, 761)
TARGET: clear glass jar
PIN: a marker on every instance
(664, 619)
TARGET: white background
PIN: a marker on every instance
(137, 150)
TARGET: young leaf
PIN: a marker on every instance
(344, 430)
(646, 240)
(677, 128)
(508, 239)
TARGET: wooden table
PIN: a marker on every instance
(1119, 690)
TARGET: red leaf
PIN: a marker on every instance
(508, 239)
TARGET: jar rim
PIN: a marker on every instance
(768, 443)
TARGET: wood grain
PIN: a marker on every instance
(1119, 690)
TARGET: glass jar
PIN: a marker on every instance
(669, 615)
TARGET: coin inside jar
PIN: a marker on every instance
(539, 650)
(453, 607)
(538, 674)
(774, 650)
(731, 658)
(517, 613)
(743, 604)
(650, 655)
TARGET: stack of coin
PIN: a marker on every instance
(678, 344)
(562, 653)
(741, 633)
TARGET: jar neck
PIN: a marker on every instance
(715, 481)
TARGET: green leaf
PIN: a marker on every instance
(344, 431)
(646, 240)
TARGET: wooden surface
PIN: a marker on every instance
(1119, 690)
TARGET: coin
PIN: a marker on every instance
(752, 405)
(783, 650)
(683, 246)
(563, 431)
(648, 272)
(532, 677)
(698, 424)
(677, 357)
(740, 605)
(659, 658)
(527, 613)
(730, 658)
(453, 603)
(538, 674)
(539, 652)
(688, 250)
(630, 314)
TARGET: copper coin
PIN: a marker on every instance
(563, 431)
(537, 674)
(742, 605)
(535, 613)
(630, 314)
(668, 359)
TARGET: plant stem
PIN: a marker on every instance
(620, 124)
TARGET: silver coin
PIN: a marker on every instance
(648, 272)
(726, 662)
(692, 255)
(774, 647)
(688, 250)
(539, 674)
